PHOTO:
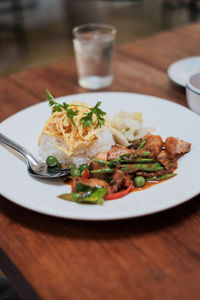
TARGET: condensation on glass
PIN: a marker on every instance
(93, 46)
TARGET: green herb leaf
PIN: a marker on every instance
(59, 107)
(99, 114)
(52, 103)
(50, 98)
(87, 120)
(71, 113)
(56, 108)
(65, 106)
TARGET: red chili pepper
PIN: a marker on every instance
(85, 174)
(118, 194)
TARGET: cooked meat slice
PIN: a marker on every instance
(116, 151)
(153, 174)
(127, 180)
(90, 181)
(169, 162)
(117, 181)
(102, 155)
(95, 165)
(163, 155)
(120, 180)
(175, 146)
(154, 143)
(129, 169)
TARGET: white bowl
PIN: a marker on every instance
(193, 92)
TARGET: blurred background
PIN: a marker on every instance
(37, 32)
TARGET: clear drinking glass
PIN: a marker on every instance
(93, 46)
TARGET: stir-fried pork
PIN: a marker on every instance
(154, 143)
(116, 151)
(152, 174)
(95, 166)
(175, 146)
(145, 163)
(120, 180)
(170, 163)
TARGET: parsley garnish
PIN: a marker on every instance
(87, 120)
(71, 113)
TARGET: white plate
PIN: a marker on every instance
(181, 69)
(41, 195)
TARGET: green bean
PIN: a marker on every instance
(102, 171)
(127, 157)
(102, 162)
(145, 167)
(154, 178)
(128, 169)
(116, 161)
(95, 197)
(163, 177)
(145, 153)
(144, 160)
(166, 176)
(142, 144)
(139, 181)
(149, 167)
(135, 154)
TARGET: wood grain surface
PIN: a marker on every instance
(154, 257)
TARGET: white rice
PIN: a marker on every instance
(83, 154)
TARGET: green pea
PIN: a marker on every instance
(139, 181)
(83, 167)
(75, 172)
(51, 161)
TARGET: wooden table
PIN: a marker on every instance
(154, 257)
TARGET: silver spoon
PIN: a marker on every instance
(35, 167)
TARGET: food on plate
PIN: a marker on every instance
(147, 161)
(127, 127)
(99, 168)
(75, 133)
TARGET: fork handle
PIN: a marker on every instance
(5, 140)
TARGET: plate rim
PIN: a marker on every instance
(108, 217)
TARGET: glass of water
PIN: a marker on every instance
(93, 46)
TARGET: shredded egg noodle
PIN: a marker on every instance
(59, 125)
